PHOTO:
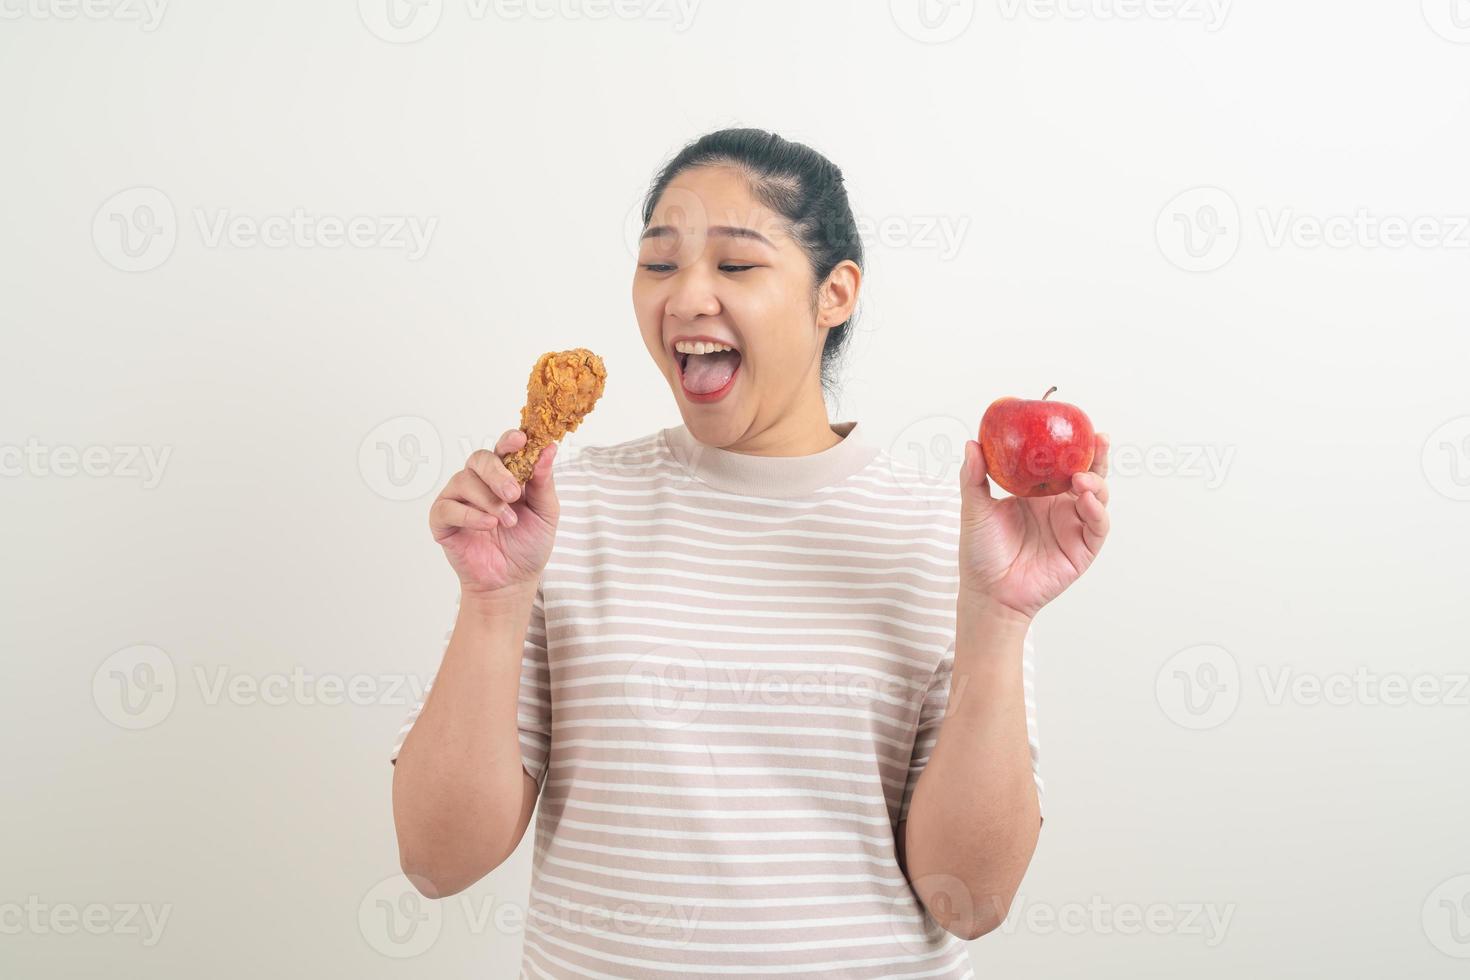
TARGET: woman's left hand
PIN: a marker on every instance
(1022, 552)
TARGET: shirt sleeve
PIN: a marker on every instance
(533, 709)
(931, 714)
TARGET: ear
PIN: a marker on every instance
(838, 296)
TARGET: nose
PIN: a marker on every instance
(692, 294)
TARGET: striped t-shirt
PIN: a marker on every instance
(735, 671)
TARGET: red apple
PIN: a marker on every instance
(1033, 446)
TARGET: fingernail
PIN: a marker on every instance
(509, 517)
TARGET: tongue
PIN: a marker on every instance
(704, 373)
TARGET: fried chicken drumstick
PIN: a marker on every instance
(563, 388)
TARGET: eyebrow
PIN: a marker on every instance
(728, 231)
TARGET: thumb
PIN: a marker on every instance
(541, 487)
(974, 486)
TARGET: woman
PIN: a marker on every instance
(721, 653)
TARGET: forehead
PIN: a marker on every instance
(706, 197)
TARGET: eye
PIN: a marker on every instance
(735, 268)
(656, 267)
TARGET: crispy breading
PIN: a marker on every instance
(563, 388)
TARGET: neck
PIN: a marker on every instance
(800, 432)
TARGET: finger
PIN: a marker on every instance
(510, 441)
(1100, 455)
(468, 487)
(977, 475)
(448, 515)
(488, 467)
(541, 487)
(1089, 480)
(1095, 521)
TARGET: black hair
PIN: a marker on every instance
(797, 183)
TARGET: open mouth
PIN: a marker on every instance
(706, 369)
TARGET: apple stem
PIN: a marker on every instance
(1048, 392)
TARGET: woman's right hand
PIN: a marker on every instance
(496, 534)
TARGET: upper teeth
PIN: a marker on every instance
(699, 347)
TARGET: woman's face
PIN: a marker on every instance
(716, 263)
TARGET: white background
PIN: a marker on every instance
(1324, 543)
